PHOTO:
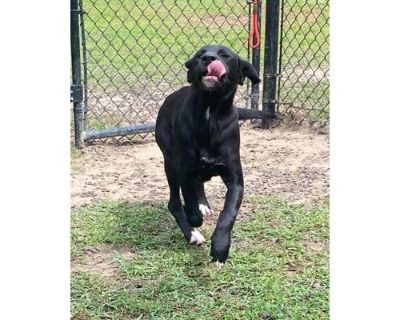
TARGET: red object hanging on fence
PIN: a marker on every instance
(254, 33)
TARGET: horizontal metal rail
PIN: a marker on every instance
(119, 131)
(125, 130)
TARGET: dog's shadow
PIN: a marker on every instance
(158, 249)
(150, 228)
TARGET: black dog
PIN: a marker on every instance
(197, 131)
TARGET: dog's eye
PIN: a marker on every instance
(224, 55)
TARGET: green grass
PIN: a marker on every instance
(154, 38)
(278, 265)
(131, 40)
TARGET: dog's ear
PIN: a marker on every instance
(190, 65)
(246, 69)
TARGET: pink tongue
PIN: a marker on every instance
(216, 68)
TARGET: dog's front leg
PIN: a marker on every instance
(221, 238)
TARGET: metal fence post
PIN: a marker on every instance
(255, 88)
(76, 87)
(270, 58)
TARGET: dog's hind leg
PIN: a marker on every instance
(175, 207)
(204, 206)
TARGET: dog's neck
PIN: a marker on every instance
(215, 102)
(209, 109)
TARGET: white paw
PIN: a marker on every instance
(204, 209)
(219, 265)
(196, 238)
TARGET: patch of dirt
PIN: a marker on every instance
(101, 260)
(315, 246)
(286, 162)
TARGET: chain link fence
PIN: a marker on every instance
(133, 52)
(303, 85)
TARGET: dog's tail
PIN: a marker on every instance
(245, 114)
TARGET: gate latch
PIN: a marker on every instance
(76, 93)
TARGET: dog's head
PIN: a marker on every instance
(215, 68)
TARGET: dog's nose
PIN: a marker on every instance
(207, 57)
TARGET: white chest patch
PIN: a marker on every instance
(208, 113)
